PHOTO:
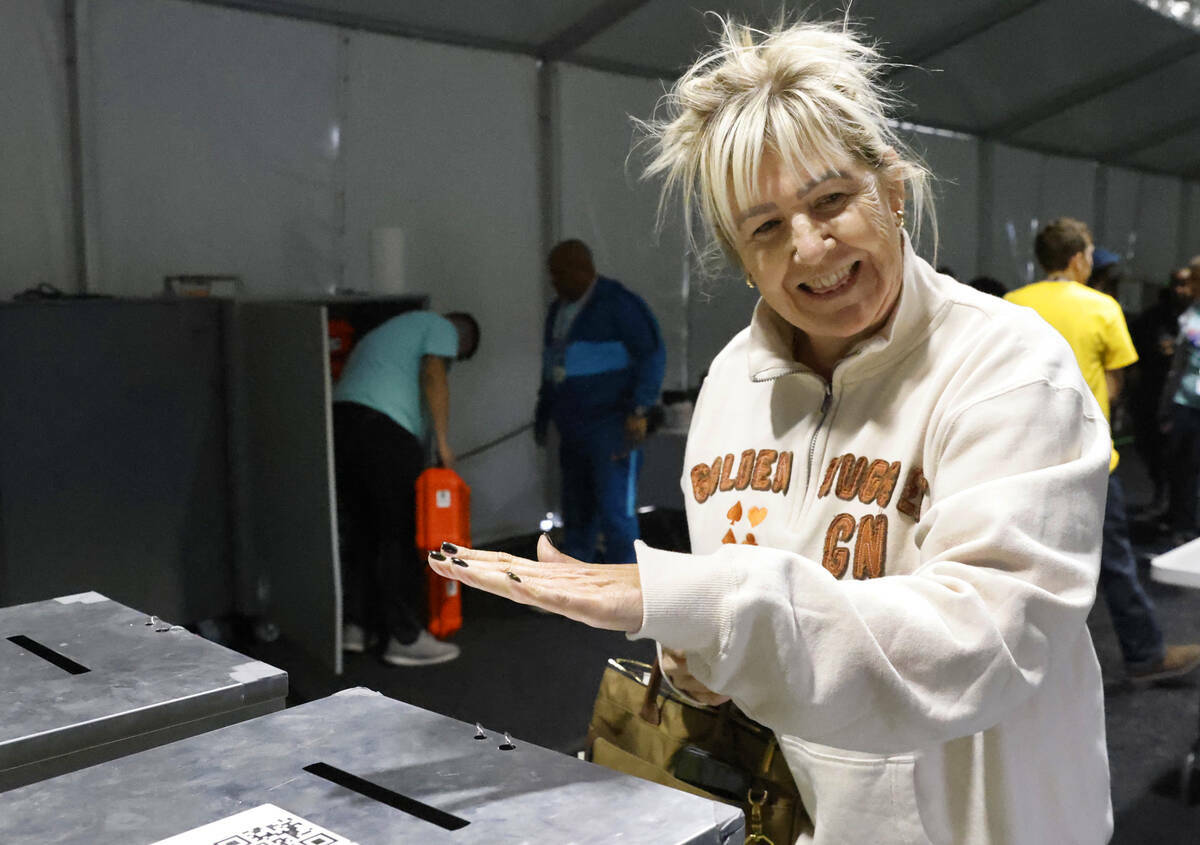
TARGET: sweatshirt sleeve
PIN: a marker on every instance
(1008, 561)
(644, 341)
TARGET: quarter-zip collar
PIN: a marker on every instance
(918, 311)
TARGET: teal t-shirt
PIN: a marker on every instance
(384, 368)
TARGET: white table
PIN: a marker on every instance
(1181, 567)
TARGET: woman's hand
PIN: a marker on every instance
(675, 668)
(605, 596)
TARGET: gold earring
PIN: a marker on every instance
(749, 283)
(900, 217)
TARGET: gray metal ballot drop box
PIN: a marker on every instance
(358, 767)
(84, 679)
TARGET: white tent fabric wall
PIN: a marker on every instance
(1189, 223)
(1027, 190)
(217, 140)
(36, 228)
(442, 142)
(954, 160)
(1159, 206)
(604, 202)
(209, 147)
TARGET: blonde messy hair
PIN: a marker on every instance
(809, 92)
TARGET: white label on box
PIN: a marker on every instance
(442, 498)
(263, 824)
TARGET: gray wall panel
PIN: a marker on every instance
(113, 455)
(284, 471)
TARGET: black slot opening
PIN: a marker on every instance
(49, 655)
(387, 796)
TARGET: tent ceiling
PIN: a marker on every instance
(1112, 81)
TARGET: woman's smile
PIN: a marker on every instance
(833, 283)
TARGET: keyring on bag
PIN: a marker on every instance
(756, 836)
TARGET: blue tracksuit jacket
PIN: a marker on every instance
(611, 361)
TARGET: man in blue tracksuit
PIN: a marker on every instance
(602, 369)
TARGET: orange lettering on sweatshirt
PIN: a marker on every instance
(837, 558)
(726, 483)
(761, 480)
(830, 473)
(915, 489)
(880, 483)
(783, 474)
(744, 470)
(870, 549)
(704, 480)
(850, 475)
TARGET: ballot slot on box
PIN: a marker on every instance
(84, 679)
(358, 767)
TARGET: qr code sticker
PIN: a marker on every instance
(262, 825)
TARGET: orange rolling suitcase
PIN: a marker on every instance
(443, 513)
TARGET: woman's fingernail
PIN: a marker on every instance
(449, 548)
(458, 562)
(436, 555)
(512, 575)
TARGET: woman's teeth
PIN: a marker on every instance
(831, 280)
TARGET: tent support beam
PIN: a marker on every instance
(1094, 89)
(75, 153)
(1153, 137)
(586, 28)
(950, 38)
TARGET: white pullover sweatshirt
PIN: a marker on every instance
(893, 571)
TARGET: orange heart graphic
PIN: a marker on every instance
(734, 513)
(757, 515)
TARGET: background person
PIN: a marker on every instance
(602, 370)
(1107, 273)
(988, 285)
(894, 485)
(1094, 325)
(1180, 416)
(395, 378)
(1154, 332)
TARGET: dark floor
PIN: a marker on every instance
(535, 676)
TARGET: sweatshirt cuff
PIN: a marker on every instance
(683, 598)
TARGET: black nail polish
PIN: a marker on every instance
(514, 576)
(458, 562)
(449, 548)
(437, 555)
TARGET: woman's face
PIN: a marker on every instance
(824, 250)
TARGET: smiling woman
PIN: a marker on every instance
(824, 254)
(896, 484)
(786, 148)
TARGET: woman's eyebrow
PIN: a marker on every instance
(755, 210)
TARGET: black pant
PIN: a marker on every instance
(1185, 468)
(377, 462)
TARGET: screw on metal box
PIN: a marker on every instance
(479, 734)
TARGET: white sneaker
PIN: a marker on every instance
(354, 639)
(425, 651)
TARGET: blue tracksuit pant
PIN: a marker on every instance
(599, 494)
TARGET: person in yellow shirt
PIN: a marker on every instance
(1094, 325)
